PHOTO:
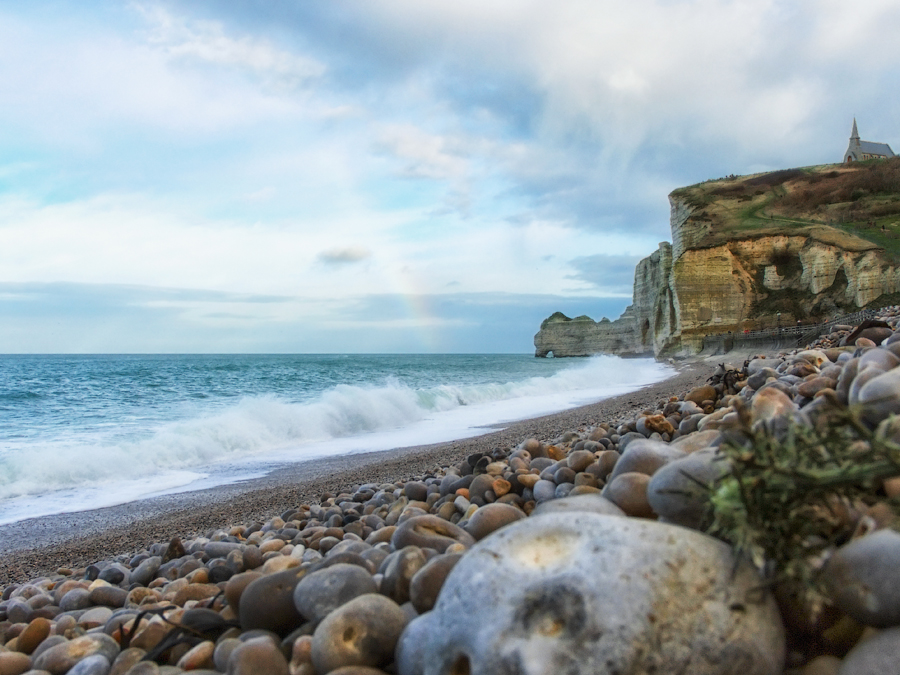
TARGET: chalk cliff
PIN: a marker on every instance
(742, 258)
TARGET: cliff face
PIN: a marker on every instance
(583, 336)
(719, 276)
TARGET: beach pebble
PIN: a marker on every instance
(628, 491)
(144, 668)
(95, 616)
(126, 659)
(544, 490)
(863, 578)
(14, 663)
(755, 365)
(268, 602)
(77, 598)
(697, 441)
(492, 517)
(198, 657)
(700, 394)
(579, 460)
(546, 588)
(110, 596)
(880, 396)
(426, 584)
(257, 656)
(679, 492)
(645, 456)
(773, 410)
(96, 664)
(429, 531)
(592, 503)
(363, 632)
(319, 593)
(60, 658)
(398, 569)
(875, 656)
(33, 635)
(146, 571)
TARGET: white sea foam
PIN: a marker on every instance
(37, 478)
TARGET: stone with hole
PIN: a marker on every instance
(598, 595)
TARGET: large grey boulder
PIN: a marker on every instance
(595, 594)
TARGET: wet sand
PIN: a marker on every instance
(41, 545)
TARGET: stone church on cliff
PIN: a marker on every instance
(859, 150)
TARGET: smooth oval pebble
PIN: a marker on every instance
(268, 602)
(397, 571)
(33, 635)
(426, 584)
(645, 456)
(110, 596)
(61, 658)
(544, 490)
(77, 598)
(679, 492)
(863, 578)
(880, 396)
(257, 656)
(429, 531)
(492, 517)
(321, 592)
(363, 632)
(14, 663)
(628, 491)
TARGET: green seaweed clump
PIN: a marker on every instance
(794, 494)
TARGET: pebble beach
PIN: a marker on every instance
(577, 542)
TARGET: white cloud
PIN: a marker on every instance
(423, 155)
(208, 42)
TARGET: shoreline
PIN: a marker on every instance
(38, 546)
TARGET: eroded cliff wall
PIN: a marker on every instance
(704, 283)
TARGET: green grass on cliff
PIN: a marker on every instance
(854, 206)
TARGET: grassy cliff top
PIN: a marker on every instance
(854, 206)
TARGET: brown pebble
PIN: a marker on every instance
(363, 632)
(199, 656)
(628, 491)
(426, 584)
(501, 487)
(429, 531)
(257, 656)
(556, 453)
(33, 635)
(528, 480)
(174, 550)
(14, 663)
(492, 517)
(235, 586)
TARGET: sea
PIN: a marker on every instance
(80, 432)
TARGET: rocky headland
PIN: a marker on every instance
(753, 252)
(737, 518)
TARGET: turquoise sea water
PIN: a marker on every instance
(80, 432)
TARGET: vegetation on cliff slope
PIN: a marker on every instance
(854, 206)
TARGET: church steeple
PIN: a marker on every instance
(854, 135)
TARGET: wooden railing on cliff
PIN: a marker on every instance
(783, 337)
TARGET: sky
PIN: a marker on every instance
(389, 175)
